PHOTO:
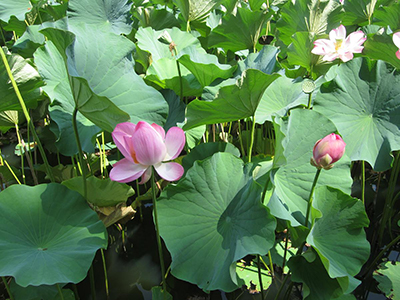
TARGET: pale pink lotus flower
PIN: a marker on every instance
(327, 151)
(145, 146)
(338, 45)
(396, 41)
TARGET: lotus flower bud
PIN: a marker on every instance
(327, 151)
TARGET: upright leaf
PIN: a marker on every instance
(17, 8)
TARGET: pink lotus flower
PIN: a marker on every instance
(396, 41)
(327, 151)
(145, 146)
(338, 45)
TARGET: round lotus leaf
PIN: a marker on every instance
(212, 218)
(48, 234)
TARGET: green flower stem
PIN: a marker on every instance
(389, 201)
(4, 162)
(92, 282)
(179, 73)
(105, 274)
(80, 152)
(379, 256)
(160, 253)
(27, 116)
(363, 181)
(260, 277)
(7, 287)
(21, 151)
(28, 157)
(240, 139)
(60, 291)
(253, 129)
(310, 197)
(309, 206)
(75, 290)
(281, 287)
(309, 101)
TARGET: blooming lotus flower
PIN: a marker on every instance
(327, 151)
(145, 146)
(338, 45)
(396, 41)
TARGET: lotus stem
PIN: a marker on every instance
(60, 291)
(260, 277)
(80, 152)
(160, 253)
(7, 287)
(27, 116)
(105, 273)
(363, 181)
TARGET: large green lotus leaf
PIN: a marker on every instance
(205, 67)
(317, 285)
(283, 94)
(212, 214)
(193, 10)
(364, 103)
(101, 192)
(295, 175)
(112, 15)
(205, 150)
(51, 66)
(388, 277)
(27, 44)
(110, 73)
(337, 233)
(27, 79)
(234, 102)
(17, 8)
(50, 239)
(147, 39)
(163, 73)
(315, 16)
(240, 31)
(381, 46)
(41, 292)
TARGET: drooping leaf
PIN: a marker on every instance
(212, 214)
(337, 233)
(282, 95)
(363, 101)
(317, 285)
(233, 102)
(240, 31)
(51, 240)
(205, 67)
(110, 15)
(101, 192)
(381, 46)
(52, 67)
(388, 277)
(27, 79)
(293, 180)
(110, 73)
(9, 118)
(27, 44)
(17, 8)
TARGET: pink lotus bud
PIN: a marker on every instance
(327, 151)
